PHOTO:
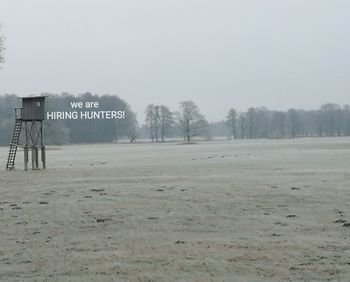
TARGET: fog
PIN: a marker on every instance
(220, 54)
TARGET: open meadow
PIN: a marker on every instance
(260, 210)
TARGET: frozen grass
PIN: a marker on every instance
(218, 211)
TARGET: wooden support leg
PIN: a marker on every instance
(26, 158)
(43, 157)
(36, 158)
(33, 158)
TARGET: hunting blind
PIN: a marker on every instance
(30, 117)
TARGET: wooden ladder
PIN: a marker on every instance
(14, 144)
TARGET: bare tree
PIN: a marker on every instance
(167, 121)
(156, 121)
(242, 124)
(346, 120)
(331, 119)
(191, 120)
(281, 123)
(278, 123)
(261, 123)
(132, 127)
(2, 48)
(293, 122)
(231, 121)
(251, 123)
(150, 113)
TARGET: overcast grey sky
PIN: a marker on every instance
(218, 53)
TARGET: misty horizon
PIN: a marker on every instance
(142, 121)
(218, 54)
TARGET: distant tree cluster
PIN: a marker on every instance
(329, 120)
(74, 131)
(161, 122)
(91, 131)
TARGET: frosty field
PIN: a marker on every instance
(267, 210)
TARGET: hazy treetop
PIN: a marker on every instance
(2, 48)
(220, 54)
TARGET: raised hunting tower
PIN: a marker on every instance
(30, 116)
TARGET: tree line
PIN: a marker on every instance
(187, 122)
(329, 120)
(74, 131)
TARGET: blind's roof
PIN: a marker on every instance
(32, 97)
